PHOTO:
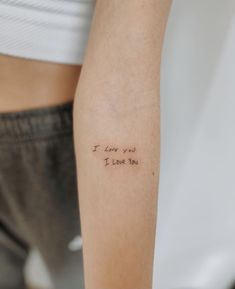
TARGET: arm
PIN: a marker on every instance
(116, 126)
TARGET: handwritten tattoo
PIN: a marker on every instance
(123, 156)
(95, 148)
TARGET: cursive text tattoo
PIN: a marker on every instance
(116, 155)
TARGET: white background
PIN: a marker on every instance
(195, 247)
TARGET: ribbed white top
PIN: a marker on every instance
(50, 30)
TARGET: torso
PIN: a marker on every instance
(27, 84)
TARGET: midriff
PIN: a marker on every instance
(27, 84)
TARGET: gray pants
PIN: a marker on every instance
(38, 195)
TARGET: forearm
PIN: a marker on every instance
(117, 108)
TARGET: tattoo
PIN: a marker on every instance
(124, 156)
(95, 148)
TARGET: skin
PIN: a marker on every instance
(27, 84)
(117, 107)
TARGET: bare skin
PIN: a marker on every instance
(26, 84)
(117, 142)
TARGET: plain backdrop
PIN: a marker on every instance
(195, 246)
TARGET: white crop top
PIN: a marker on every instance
(50, 30)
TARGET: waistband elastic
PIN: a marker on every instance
(36, 123)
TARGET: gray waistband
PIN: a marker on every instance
(36, 123)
